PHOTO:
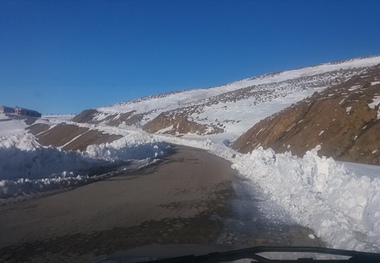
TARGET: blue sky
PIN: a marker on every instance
(67, 56)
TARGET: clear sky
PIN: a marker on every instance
(70, 55)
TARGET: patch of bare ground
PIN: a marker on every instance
(86, 116)
(342, 119)
(90, 116)
(70, 136)
(37, 128)
(189, 112)
(176, 123)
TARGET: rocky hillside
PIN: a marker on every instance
(227, 110)
(69, 136)
(343, 119)
(335, 105)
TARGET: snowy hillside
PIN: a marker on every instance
(343, 119)
(339, 201)
(230, 109)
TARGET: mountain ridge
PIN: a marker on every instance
(192, 107)
(342, 120)
(223, 113)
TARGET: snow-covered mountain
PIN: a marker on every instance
(225, 112)
(343, 119)
(39, 155)
(339, 201)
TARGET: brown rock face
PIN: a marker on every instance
(190, 111)
(69, 137)
(343, 119)
(176, 123)
(89, 116)
(85, 116)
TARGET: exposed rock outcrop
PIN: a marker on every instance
(176, 124)
(343, 119)
(69, 136)
(210, 110)
(93, 116)
(86, 116)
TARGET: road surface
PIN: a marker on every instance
(183, 200)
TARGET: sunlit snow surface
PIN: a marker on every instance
(270, 93)
(343, 208)
(27, 168)
(339, 201)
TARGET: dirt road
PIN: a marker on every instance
(187, 199)
(182, 200)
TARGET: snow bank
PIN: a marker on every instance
(25, 186)
(128, 148)
(9, 126)
(27, 167)
(341, 205)
(21, 156)
(344, 210)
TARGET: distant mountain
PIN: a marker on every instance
(343, 119)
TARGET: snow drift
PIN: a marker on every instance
(340, 204)
(27, 167)
(342, 208)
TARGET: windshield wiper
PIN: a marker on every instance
(252, 253)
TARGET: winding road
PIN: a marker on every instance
(186, 199)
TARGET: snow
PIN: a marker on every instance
(58, 118)
(167, 129)
(8, 126)
(375, 102)
(341, 205)
(354, 87)
(27, 167)
(359, 169)
(283, 88)
(321, 194)
(238, 117)
(339, 201)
